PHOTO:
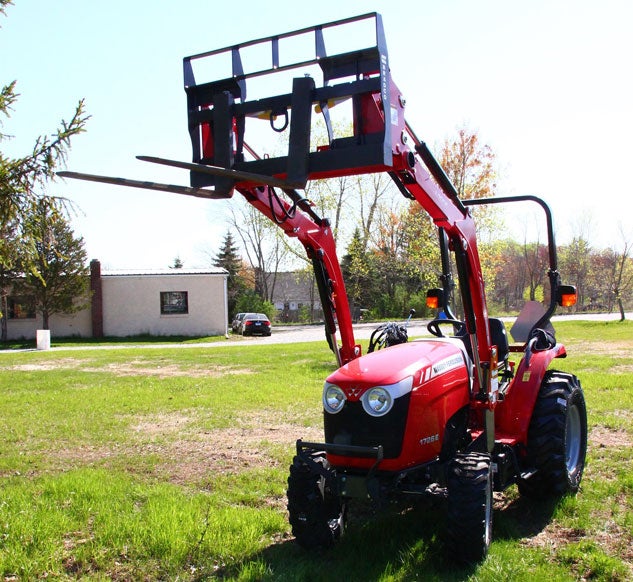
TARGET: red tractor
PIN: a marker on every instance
(457, 415)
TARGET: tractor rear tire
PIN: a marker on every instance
(316, 513)
(557, 438)
(469, 515)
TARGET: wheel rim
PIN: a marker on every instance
(573, 437)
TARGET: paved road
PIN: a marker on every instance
(310, 333)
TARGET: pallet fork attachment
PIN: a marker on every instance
(233, 175)
(145, 185)
(220, 116)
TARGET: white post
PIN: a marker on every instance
(43, 339)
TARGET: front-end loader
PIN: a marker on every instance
(456, 415)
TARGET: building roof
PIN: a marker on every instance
(163, 272)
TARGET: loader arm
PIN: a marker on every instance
(315, 235)
(220, 117)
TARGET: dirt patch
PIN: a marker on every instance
(619, 349)
(57, 364)
(553, 537)
(624, 413)
(186, 454)
(622, 369)
(162, 424)
(85, 455)
(226, 451)
(602, 437)
(134, 368)
(169, 371)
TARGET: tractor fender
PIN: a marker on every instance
(514, 413)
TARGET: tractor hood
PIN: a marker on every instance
(399, 398)
(420, 360)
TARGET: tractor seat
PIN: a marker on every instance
(499, 338)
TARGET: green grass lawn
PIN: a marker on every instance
(143, 464)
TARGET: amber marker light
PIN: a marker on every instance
(433, 298)
(567, 296)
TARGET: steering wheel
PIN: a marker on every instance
(434, 326)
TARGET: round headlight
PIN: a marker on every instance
(377, 401)
(333, 398)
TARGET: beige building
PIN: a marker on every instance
(295, 296)
(126, 303)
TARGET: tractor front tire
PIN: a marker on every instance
(469, 515)
(316, 513)
(557, 438)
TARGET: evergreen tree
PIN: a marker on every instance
(177, 264)
(229, 258)
(22, 178)
(55, 263)
(10, 252)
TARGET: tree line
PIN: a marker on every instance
(390, 253)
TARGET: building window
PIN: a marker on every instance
(173, 302)
(20, 308)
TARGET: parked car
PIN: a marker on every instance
(254, 324)
(235, 324)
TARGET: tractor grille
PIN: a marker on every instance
(353, 426)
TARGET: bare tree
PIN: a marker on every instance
(622, 272)
(535, 261)
(263, 245)
(469, 164)
(330, 197)
(372, 190)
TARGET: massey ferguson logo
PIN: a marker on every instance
(353, 392)
(447, 364)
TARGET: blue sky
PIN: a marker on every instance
(546, 83)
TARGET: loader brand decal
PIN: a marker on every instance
(446, 365)
(384, 69)
(430, 439)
